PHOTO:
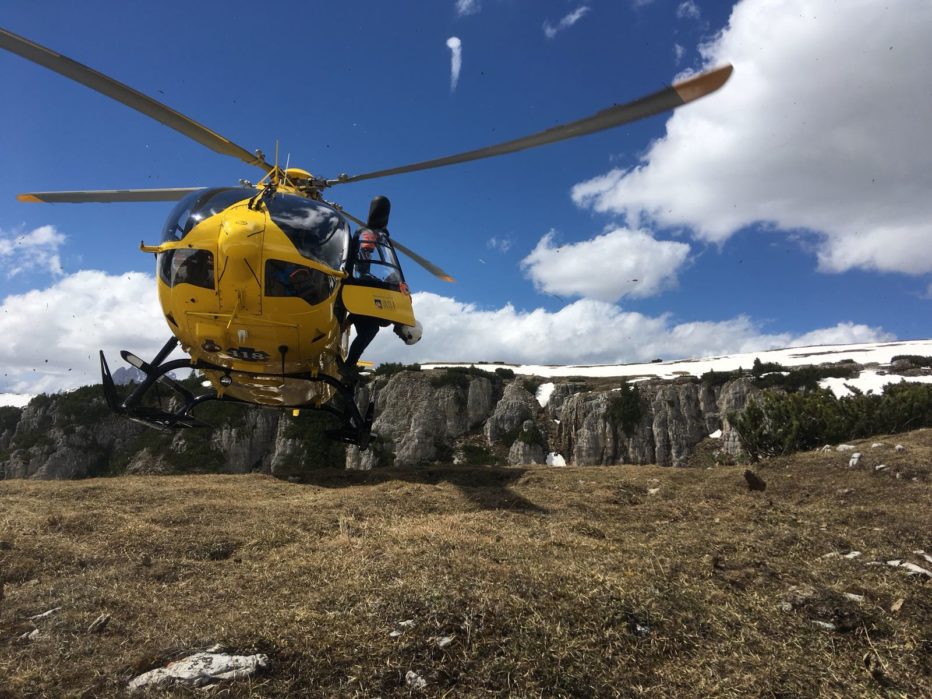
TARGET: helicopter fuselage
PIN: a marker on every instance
(251, 283)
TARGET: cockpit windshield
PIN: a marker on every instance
(200, 205)
(316, 230)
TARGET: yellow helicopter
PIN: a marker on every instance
(257, 282)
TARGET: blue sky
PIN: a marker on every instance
(792, 207)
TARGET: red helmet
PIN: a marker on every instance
(368, 240)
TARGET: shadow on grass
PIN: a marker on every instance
(486, 486)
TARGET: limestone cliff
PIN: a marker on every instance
(464, 415)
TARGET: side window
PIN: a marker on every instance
(378, 265)
(187, 266)
(290, 279)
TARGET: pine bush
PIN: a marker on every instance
(781, 423)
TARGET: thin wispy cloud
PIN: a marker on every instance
(551, 30)
(467, 7)
(678, 52)
(34, 251)
(688, 9)
(456, 60)
(503, 245)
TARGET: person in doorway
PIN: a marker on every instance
(372, 260)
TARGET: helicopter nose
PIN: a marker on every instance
(240, 250)
(241, 237)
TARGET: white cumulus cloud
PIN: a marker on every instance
(611, 266)
(822, 129)
(584, 332)
(551, 30)
(467, 7)
(36, 250)
(52, 336)
(456, 60)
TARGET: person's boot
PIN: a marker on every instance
(349, 373)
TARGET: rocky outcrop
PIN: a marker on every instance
(245, 444)
(528, 447)
(674, 417)
(420, 417)
(516, 406)
(49, 443)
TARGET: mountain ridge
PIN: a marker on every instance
(458, 414)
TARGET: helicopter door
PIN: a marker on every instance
(375, 286)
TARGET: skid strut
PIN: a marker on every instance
(355, 427)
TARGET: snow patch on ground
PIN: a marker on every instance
(554, 459)
(18, 400)
(868, 381)
(543, 393)
(865, 353)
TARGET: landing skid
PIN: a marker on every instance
(354, 428)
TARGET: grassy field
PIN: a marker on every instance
(583, 582)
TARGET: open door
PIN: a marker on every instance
(375, 286)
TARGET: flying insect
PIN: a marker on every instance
(257, 281)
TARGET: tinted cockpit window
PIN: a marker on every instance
(187, 266)
(289, 279)
(199, 205)
(317, 231)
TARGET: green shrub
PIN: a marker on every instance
(443, 452)
(197, 453)
(83, 406)
(773, 375)
(309, 429)
(781, 423)
(458, 376)
(760, 368)
(477, 455)
(9, 417)
(720, 378)
(447, 378)
(625, 410)
(532, 384)
(504, 373)
(531, 436)
(806, 378)
(25, 440)
(915, 359)
(220, 412)
(392, 368)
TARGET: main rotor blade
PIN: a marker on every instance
(107, 195)
(671, 97)
(422, 261)
(134, 99)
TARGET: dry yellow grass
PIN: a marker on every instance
(551, 582)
